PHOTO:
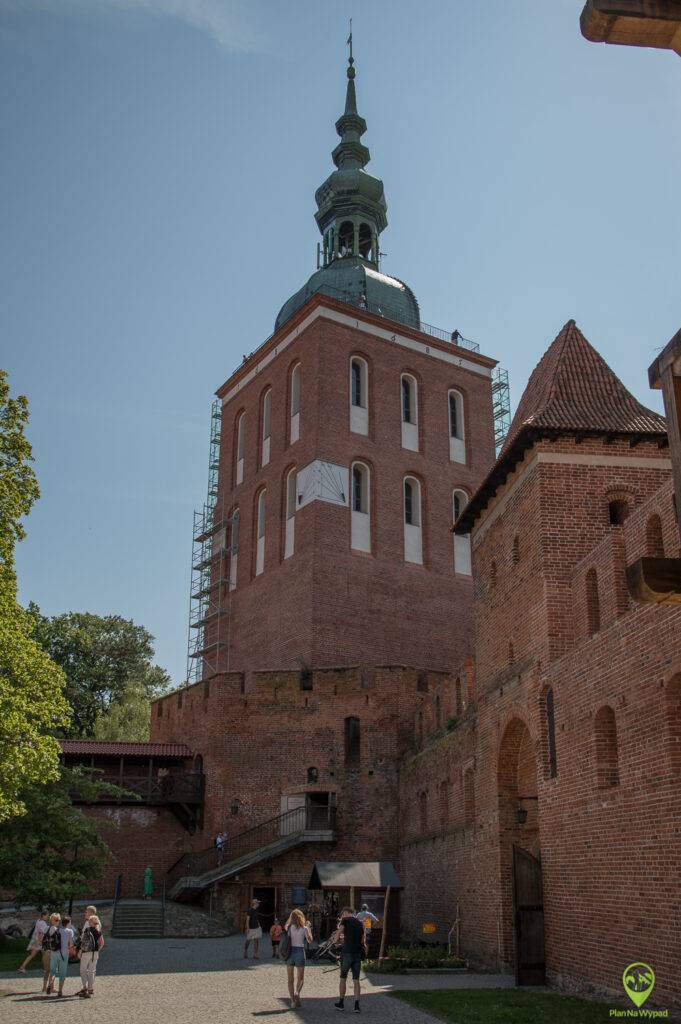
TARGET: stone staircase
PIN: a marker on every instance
(138, 919)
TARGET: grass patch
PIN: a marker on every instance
(13, 951)
(506, 1006)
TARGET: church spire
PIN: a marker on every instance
(351, 205)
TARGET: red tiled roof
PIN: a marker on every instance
(572, 390)
(123, 748)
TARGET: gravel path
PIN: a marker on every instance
(192, 981)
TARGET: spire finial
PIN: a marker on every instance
(351, 60)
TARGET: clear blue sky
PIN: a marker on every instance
(159, 161)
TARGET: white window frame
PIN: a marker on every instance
(462, 542)
(266, 426)
(360, 519)
(240, 447)
(410, 427)
(457, 438)
(413, 531)
(294, 428)
(359, 414)
(290, 512)
(261, 529)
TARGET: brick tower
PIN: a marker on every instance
(347, 442)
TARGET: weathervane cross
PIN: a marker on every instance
(349, 43)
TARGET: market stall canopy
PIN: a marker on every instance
(354, 874)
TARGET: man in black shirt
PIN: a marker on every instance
(354, 948)
(252, 930)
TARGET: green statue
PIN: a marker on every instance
(148, 883)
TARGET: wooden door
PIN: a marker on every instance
(528, 905)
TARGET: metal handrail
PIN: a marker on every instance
(300, 819)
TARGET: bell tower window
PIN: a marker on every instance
(346, 238)
(365, 241)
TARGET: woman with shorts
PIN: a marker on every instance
(299, 933)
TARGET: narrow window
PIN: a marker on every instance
(438, 712)
(413, 543)
(365, 241)
(423, 811)
(352, 741)
(457, 446)
(593, 611)
(607, 768)
(444, 803)
(550, 734)
(654, 542)
(462, 542)
(234, 549)
(359, 396)
(346, 238)
(360, 517)
(291, 503)
(266, 417)
(672, 696)
(240, 447)
(618, 510)
(294, 430)
(260, 542)
(410, 417)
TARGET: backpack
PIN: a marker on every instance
(89, 941)
(52, 940)
(285, 945)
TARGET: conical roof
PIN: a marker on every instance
(571, 390)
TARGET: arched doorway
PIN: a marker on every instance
(522, 924)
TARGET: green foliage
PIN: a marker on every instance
(452, 722)
(506, 1006)
(32, 704)
(52, 851)
(402, 958)
(110, 678)
(12, 952)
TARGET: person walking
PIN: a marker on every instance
(148, 883)
(252, 930)
(354, 948)
(91, 944)
(299, 933)
(275, 936)
(35, 942)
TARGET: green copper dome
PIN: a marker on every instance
(351, 214)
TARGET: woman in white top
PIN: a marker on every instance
(35, 944)
(299, 932)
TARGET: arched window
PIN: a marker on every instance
(346, 238)
(365, 241)
(410, 412)
(261, 516)
(240, 447)
(234, 549)
(291, 504)
(457, 444)
(294, 429)
(607, 767)
(654, 542)
(618, 510)
(413, 543)
(593, 610)
(672, 695)
(462, 542)
(265, 428)
(550, 726)
(360, 509)
(359, 396)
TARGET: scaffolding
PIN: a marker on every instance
(214, 539)
(501, 406)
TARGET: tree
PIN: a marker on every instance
(53, 851)
(108, 665)
(32, 704)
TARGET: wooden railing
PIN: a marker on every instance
(175, 787)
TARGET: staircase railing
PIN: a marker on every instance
(117, 895)
(300, 819)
